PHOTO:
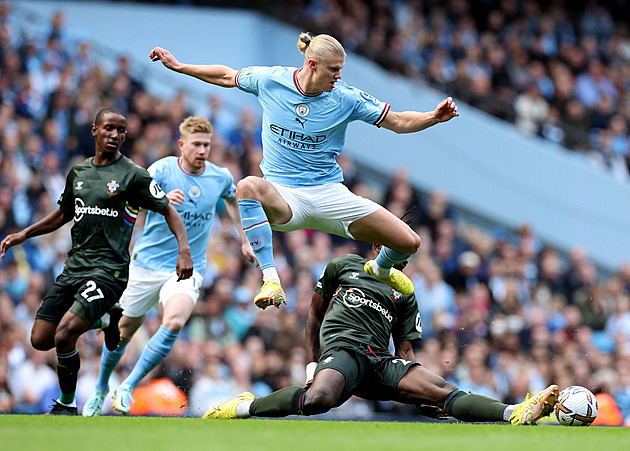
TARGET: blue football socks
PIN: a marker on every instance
(109, 361)
(258, 231)
(387, 258)
(153, 353)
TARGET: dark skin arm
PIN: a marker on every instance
(48, 224)
(404, 350)
(316, 314)
(175, 223)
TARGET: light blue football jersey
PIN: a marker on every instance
(157, 247)
(301, 133)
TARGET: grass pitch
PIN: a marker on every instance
(23, 432)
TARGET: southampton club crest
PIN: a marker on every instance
(112, 186)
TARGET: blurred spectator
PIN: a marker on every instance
(33, 383)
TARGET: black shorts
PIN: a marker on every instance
(88, 297)
(368, 375)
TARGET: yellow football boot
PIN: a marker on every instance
(397, 279)
(536, 407)
(227, 410)
(271, 293)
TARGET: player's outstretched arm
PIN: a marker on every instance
(316, 314)
(415, 121)
(215, 74)
(175, 223)
(232, 209)
(49, 223)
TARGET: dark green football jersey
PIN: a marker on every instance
(104, 201)
(364, 310)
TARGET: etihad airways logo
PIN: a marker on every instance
(297, 140)
(80, 210)
(355, 298)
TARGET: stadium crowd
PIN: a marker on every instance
(503, 314)
(558, 69)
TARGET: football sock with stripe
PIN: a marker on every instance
(67, 370)
(258, 231)
(386, 259)
(469, 407)
(286, 401)
(109, 361)
(153, 353)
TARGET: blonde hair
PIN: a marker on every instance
(320, 46)
(194, 124)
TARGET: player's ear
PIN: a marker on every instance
(94, 128)
(312, 64)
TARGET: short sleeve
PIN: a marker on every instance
(147, 193)
(409, 324)
(328, 281)
(249, 79)
(230, 188)
(157, 173)
(66, 200)
(368, 108)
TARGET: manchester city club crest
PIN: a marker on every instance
(112, 186)
(194, 192)
(302, 110)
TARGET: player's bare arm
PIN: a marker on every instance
(48, 224)
(414, 121)
(184, 260)
(316, 314)
(216, 74)
(319, 307)
(232, 209)
(404, 350)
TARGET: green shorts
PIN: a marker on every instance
(369, 375)
(88, 297)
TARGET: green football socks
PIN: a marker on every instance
(473, 408)
(286, 401)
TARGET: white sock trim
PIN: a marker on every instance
(242, 410)
(383, 273)
(271, 274)
(72, 404)
(507, 413)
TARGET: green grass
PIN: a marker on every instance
(19, 432)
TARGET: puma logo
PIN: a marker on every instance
(301, 122)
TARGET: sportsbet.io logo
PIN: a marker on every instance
(355, 298)
(80, 210)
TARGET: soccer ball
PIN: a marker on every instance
(576, 406)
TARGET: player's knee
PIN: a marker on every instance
(174, 324)
(410, 244)
(249, 188)
(42, 343)
(318, 401)
(64, 339)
